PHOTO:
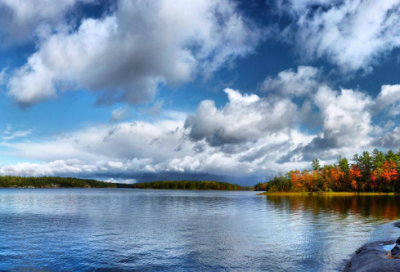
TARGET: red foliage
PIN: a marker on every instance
(374, 174)
(389, 172)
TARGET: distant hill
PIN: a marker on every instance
(51, 182)
(186, 185)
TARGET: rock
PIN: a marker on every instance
(397, 224)
(396, 250)
(371, 258)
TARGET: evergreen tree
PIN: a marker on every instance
(378, 159)
(315, 164)
(343, 164)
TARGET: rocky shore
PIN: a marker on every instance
(375, 257)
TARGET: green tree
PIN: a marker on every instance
(343, 164)
(392, 157)
(365, 163)
(378, 159)
(315, 164)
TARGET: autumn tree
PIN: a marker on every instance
(389, 173)
(354, 175)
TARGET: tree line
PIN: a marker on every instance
(52, 182)
(186, 185)
(368, 172)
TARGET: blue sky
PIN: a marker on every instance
(208, 89)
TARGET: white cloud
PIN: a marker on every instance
(117, 165)
(127, 54)
(249, 135)
(388, 100)
(9, 133)
(121, 180)
(351, 34)
(291, 83)
(251, 128)
(346, 119)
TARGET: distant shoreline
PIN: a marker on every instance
(18, 182)
(187, 185)
(125, 188)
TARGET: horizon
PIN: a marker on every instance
(227, 90)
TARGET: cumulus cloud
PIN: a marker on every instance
(168, 146)
(346, 126)
(351, 34)
(70, 167)
(244, 118)
(346, 116)
(127, 54)
(20, 20)
(250, 135)
(291, 83)
(390, 139)
(388, 100)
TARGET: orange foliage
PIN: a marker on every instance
(355, 171)
(374, 176)
(389, 172)
(296, 180)
(332, 178)
(337, 176)
(354, 184)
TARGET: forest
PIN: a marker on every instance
(51, 182)
(186, 185)
(368, 172)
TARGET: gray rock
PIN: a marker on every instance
(372, 257)
(396, 250)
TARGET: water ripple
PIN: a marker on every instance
(150, 230)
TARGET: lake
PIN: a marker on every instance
(162, 230)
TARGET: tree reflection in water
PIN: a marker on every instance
(379, 207)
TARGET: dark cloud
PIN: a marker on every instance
(243, 119)
(21, 22)
(264, 151)
(199, 147)
(388, 140)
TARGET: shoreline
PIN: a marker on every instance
(325, 193)
(28, 187)
(373, 257)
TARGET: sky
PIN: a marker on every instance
(141, 90)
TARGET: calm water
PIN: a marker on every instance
(151, 230)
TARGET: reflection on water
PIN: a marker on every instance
(151, 230)
(378, 207)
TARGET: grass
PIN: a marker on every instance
(323, 193)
